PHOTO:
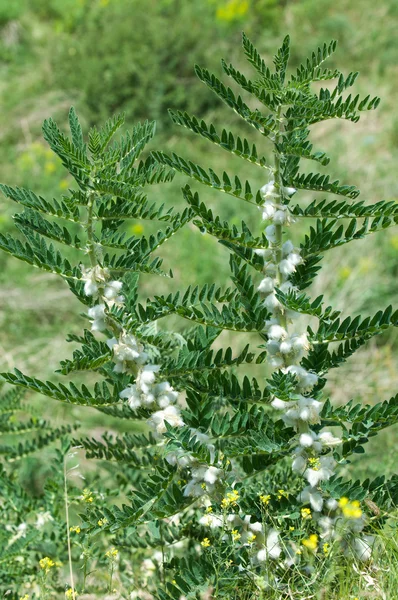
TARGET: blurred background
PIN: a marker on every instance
(108, 56)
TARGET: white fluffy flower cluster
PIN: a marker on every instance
(203, 480)
(97, 284)
(285, 350)
(107, 292)
(311, 454)
(272, 211)
(130, 357)
(129, 354)
(335, 526)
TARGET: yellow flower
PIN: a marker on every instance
(236, 535)
(209, 509)
(46, 564)
(49, 167)
(75, 529)
(228, 563)
(26, 597)
(351, 510)
(203, 486)
(230, 499)
(70, 594)
(326, 549)
(306, 513)
(251, 537)
(282, 494)
(232, 10)
(311, 543)
(137, 228)
(87, 496)
(315, 464)
(63, 184)
(112, 553)
(205, 543)
(291, 528)
(265, 499)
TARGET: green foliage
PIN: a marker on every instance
(223, 444)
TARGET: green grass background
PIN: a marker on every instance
(106, 56)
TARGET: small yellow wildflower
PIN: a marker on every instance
(311, 543)
(137, 228)
(291, 528)
(63, 184)
(306, 513)
(49, 167)
(282, 494)
(209, 509)
(236, 535)
(70, 594)
(232, 10)
(87, 496)
(298, 551)
(251, 537)
(264, 499)
(102, 522)
(326, 549)
(228, 563)
(75, 529)
(26, 597)
(351, 510)
(315, 464)
(230, 499)
(46, 564)
(112, 554)
(205, 543)
(203, 486)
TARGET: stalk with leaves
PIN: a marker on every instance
(232, 488)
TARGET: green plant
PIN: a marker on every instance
(212, 486)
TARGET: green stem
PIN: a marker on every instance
(68, 532)
(278, 184)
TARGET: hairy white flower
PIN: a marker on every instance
(43, 518)
(323, 472)
(94, 278)
(271, 302)
(269, 210)
(269, 190)
(179, 457)
(112, 291)
(280, 217)
(362, 547)
(270, 233)
(266, 285)
(306, 379)
(301, 409)
(170, 415)
(272, 547)
(328, 439)
(285, 347)
(212, 521)
(287, 247)
(289, 191)
(276, 332)
(332, 504)
(127, 352)
(310, 495)
(165, 394)
(97, 314)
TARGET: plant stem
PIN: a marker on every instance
(68, 532)
(279, 185)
